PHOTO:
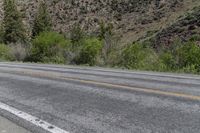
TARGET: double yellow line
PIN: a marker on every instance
(54, 75)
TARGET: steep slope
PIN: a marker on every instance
(132, 19)
(185, 28)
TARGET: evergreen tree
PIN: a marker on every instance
(42, 20)
(12, 28)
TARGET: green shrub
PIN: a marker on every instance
(182, 58)
(49, 47)
(168, 60)
(151, 62)
(189, 69)
(132, 55)
(137, 56)
(189, 55)
(5, 52)
(89, 52)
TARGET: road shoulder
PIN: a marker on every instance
(7, 126)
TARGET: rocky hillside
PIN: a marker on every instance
(132, 19)
(185, 28)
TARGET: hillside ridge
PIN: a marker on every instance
(131, 19)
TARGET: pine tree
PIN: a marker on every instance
(42, 20)
(12, 28)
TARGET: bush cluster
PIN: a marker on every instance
(4, 52)
(89, 52)
(181, 57)
(12, 52)
(137, 56)
(48, 47)
(51, 47)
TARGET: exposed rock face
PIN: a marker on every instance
(131, 18)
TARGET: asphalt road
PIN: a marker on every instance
(97, 100)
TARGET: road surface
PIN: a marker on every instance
(96, 100)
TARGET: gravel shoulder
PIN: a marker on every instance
(7, 126)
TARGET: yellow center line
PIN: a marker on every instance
(54, 75)
(152, 91)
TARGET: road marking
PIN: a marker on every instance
(32, 119)
(152, 91)
(54, 75)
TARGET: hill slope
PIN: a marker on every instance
(184, 28)
(132, 19)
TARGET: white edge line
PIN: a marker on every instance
(32, 119)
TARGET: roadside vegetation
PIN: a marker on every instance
(45, 45)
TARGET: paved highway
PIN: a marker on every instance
(96, 100)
